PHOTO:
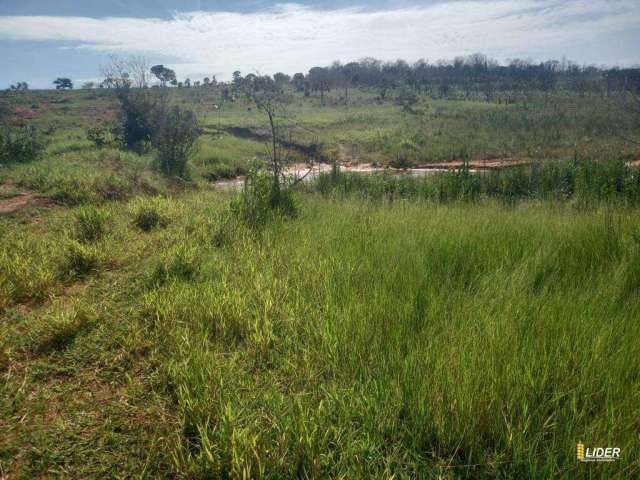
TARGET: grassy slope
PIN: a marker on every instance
(554, 126)
(361, 339)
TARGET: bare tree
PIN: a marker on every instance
(126, 72)
(271, 101)
(139, 71)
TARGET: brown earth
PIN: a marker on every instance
(22, 201)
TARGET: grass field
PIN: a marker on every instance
(453, 326)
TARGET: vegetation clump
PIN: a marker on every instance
(98, 135)
(178, 263)
(137, 119)
(263, 199)
(19, 145)
(147, 214)
(174, 140)
(80, 259)
(90, 224)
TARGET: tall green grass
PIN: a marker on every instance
(406, 340)
(582, 182)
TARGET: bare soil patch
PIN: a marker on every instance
(22, 201)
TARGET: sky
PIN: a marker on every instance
(41, 40)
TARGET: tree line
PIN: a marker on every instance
(473, 75)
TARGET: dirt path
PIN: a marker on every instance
(22, 201)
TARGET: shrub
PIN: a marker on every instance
(147, 216)
(263, 198)
(19, 146)
(80, 259)
(138, 116)
(407, 99)
(175, 140)
(90, 224)
(98, 135)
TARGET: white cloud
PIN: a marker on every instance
(292, 38)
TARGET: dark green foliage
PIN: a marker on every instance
(19, 145)
(164, 74)
(138, 118)
(63, 84)
(175, 140)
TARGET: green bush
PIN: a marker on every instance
(262, 199)
(90, 224)
(19, 146)
(138, 117)
(175, 141)
(98, 135)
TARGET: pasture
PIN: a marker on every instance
(452, 325)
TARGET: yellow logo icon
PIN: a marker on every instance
(580, 451)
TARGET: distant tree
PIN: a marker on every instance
(281, 79)
(206, 81)
(348, 76)
(20, 86)
(237, 80)
(384, 86)
(187, 83)
(164, 74)
(138, 71)
(121, 72)
(89, 85)
(63, 84)
(138, 106)
(298, 82)
(320, 81)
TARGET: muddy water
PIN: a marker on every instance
(300, 171)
